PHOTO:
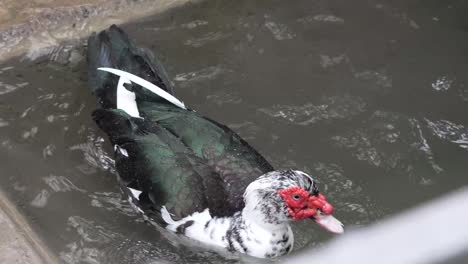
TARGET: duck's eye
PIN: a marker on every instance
(296, 197)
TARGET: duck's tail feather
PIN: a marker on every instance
(112, 49)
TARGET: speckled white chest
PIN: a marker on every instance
(234, 233)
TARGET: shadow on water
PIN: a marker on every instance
(370, 97)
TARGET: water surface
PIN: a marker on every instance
(369, 97)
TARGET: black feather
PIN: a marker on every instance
(176, 157)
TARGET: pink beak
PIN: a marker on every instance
(324, 216)
(329, 222)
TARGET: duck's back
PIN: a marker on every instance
(167, 155)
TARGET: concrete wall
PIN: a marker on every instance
(27, 26)
(18, 243)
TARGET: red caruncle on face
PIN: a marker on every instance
(302, 205)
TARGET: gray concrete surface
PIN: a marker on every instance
(34, 26)
(18, 243)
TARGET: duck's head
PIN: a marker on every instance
(280, 196)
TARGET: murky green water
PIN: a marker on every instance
(370, 97)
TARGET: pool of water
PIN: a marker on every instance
(368, 96)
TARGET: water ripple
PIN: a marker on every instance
(90, 234)
(278, 30)
(41, 199)
(331, 108)
(379, 78)
(208, 73)
(390, 141)
(8, 88)
(61, 184)
(442, 83)
(327, 61)
(112, 202)
(224, 97)
(3, 123)
(449, 131)
(321, 18)
(94, 155)
(206, 38)
(347, 196)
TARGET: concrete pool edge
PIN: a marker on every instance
(41, 28)
(18, 242)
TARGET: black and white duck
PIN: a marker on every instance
(187, 172)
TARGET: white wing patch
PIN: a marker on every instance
(135, 193)
(166, 216)
(121, 150)
(127, 100)
(199, 218)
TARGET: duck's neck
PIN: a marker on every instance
(244, 232)
(250, 233)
